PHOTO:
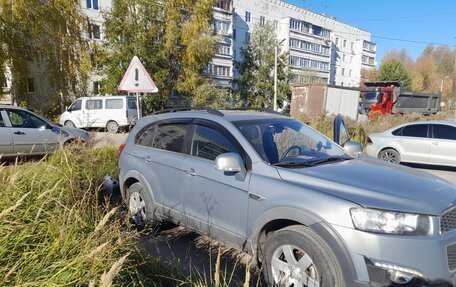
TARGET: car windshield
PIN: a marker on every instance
(287, 142)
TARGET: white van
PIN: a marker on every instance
(110, 112)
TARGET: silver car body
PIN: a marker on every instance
(25, 133)
(431, 147)
(191, 192)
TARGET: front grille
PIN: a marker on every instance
(448, 220)
(451, 256)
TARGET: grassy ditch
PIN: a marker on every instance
(55, 232)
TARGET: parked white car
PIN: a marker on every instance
(432, 142)
(110, 112)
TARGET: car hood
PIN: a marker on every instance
(377, 184)
(73, 133)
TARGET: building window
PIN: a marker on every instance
(224, 50)
(221, 27)
(262, 20)
(30, 85)
(345, 44)
(94, 31)
(218, 71)
(234, 34)
(352, 46)
(224, 4)
(92, 4)
(368, 60)
(343, 58)
(369, 46)
(337, 41)
(349, 73)
(247, 16)
(247, 37)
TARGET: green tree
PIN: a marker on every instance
(173, 39)
(394, 70)
(255, 84)
(47, 35)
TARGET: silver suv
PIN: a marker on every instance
(310, 213)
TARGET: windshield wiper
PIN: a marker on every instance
(292, 164)
(330, 159)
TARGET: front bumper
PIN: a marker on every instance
(376, 256)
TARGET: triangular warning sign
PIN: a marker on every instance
(136, 79)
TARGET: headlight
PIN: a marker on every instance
(382, 221)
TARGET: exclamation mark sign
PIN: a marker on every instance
(136, 77)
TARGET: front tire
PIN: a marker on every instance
(296, 256)
(140, 206)
(390, 155)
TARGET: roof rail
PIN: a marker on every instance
(181, 109)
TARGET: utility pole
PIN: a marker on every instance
(276, 52)
(454, 81)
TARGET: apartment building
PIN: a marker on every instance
(321, 49)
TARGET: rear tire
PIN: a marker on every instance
(296, 256)
(69, 124)
(390, 155)
(112, 127)
(140, 206)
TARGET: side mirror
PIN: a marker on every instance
(354, 149)
(340, 131)
(231, 163)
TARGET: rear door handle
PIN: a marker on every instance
(148, 159)
(435, 143)
(19, 133)
(191, 172)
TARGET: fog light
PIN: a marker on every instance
(399, 277)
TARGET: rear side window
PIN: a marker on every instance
(444, 132)
(146, 136)
(94, 104)
(418, 131)
(397, 132)
(114, 104)
(170, 136)
(208, 143)
(131, 102)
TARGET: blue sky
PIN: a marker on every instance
(418, 20)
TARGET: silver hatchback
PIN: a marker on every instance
(295, 200)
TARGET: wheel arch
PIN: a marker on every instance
(134, 176)
(278, 218)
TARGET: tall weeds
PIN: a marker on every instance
(49, 212)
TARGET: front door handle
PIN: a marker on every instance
(19, 133)
(148, 159)
(191, 172)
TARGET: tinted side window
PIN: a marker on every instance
(397, 132)
(131, 102)
(208, 143)
(170, 137)
(2, 123)
(146, 136)
(444, 132)
(114, 104)
(22, 119)
(94, 104)
(420, 131)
